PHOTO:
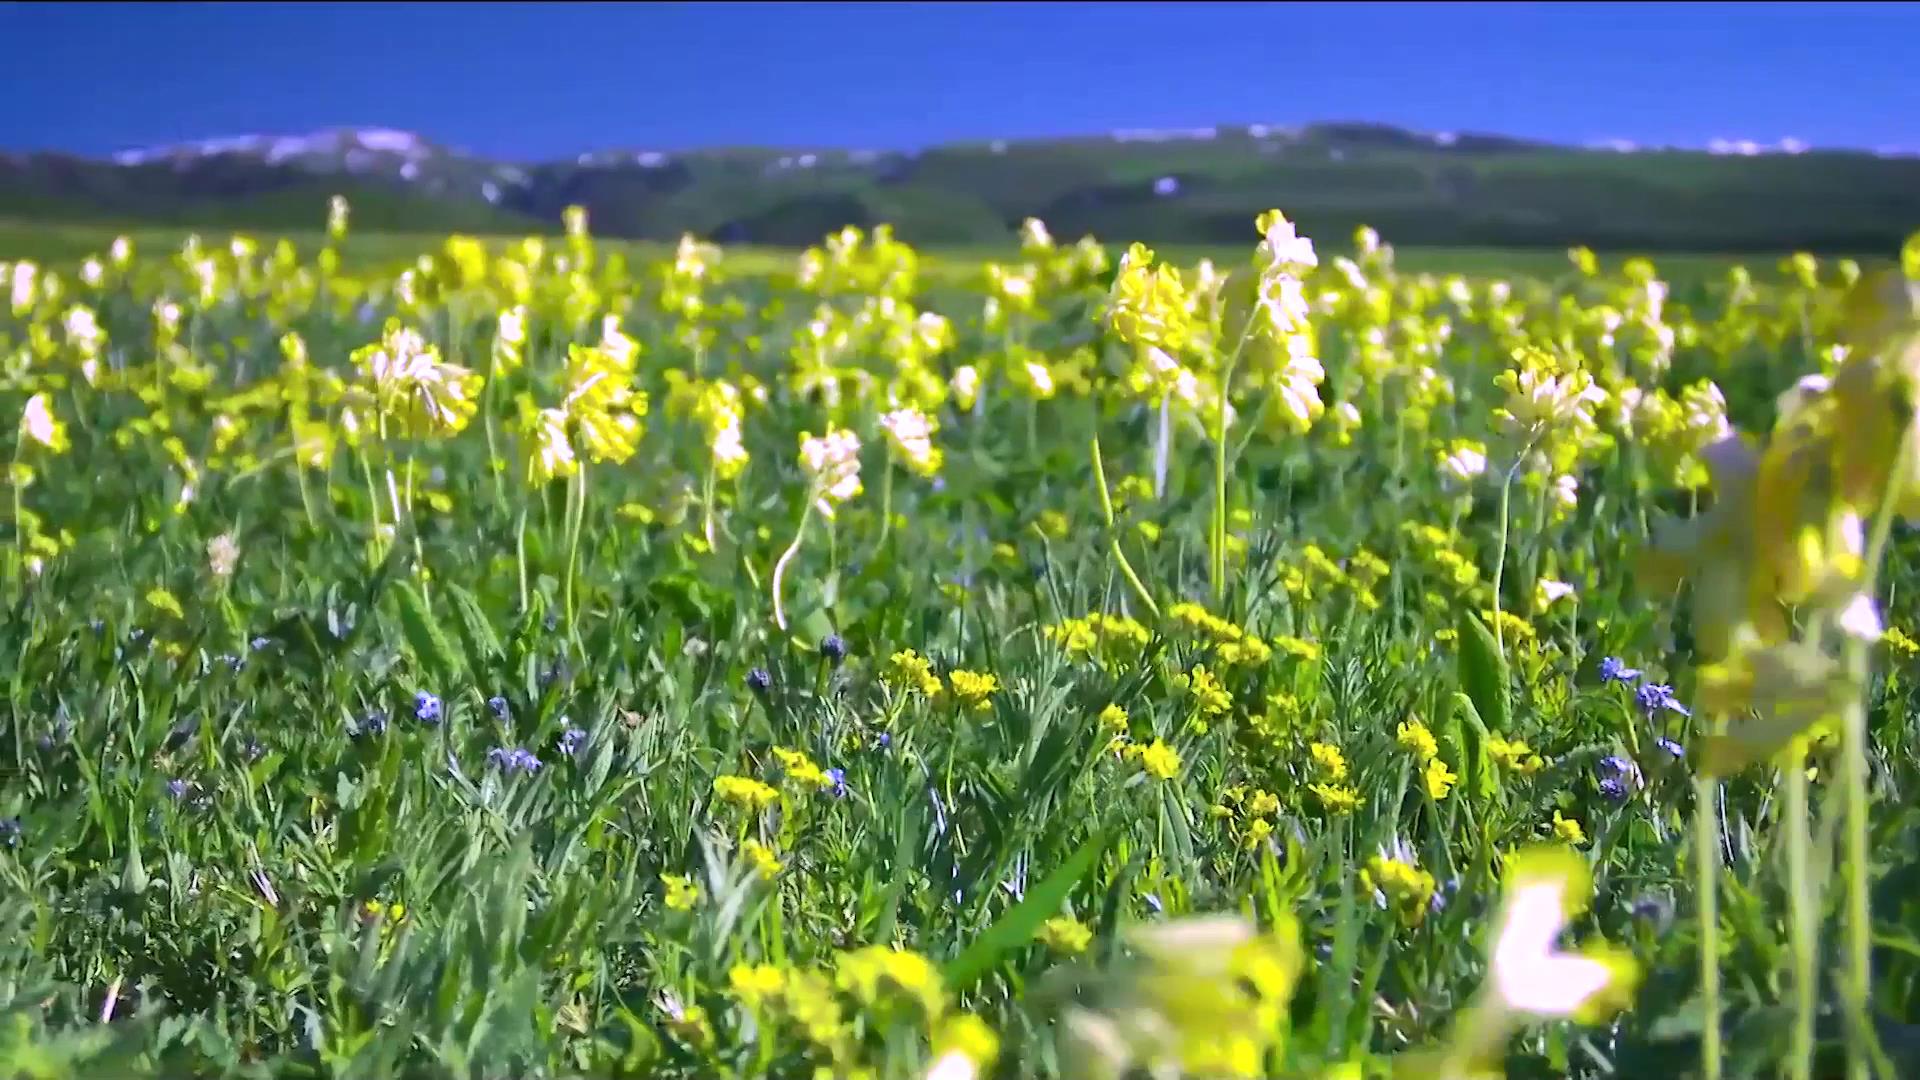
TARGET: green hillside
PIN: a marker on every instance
(1193, 188)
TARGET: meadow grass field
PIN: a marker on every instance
(436, 657)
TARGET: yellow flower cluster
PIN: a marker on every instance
(744, 792)
(1210, 698)
(1515, 755)
(800, 769)
(1401, 886)
(910, 672)
(681, 892)
(973, 689)
(1099, 635)
(1234, 646)
(1156, 759)
(1252, 809)
(409, 390)
(1335, 795)
(1065, 935)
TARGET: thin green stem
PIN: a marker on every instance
(1113, 538)
(1857, 986)
(886, 502)
(520, 553)
(576, 513)
(786, 557)
(1706, 885)
(1802, 908)
(1218, 538)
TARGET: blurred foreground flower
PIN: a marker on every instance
(1529, 978)
(1206, 996)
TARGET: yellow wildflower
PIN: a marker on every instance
(1210, 698)
(1897, 641)
(756, 985)
(1414, 736)
(1065, 935)
(1157, 759)
(745, 792)
(762, 858)
(1337, 799)
(1404, 887)
(909, 671)
(1439, 779)
(973, 688)
(801, 770)
(1568, 829)
(1515, 755)
(682, 893)
(1329, 759)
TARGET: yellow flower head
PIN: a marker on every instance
(1329, 760)
(973, 689)
(1157, 759)
(745, 792)
(1414, 736)
(682, 893)
(1065, 935)
(413, 389)
(909, 671)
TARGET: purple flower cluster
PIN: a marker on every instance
(571, 740)
(513, 759)
(426, 708)
(1618, 777)
(1653, 698)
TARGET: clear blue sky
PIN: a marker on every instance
(551, 80)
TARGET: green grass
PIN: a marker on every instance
(385, 251)
(274, 819)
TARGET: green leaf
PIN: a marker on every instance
(1483, 674)
(1016, 928)
(482, 645)
(429, 645)
(1466, 735)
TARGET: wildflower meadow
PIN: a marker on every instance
(549, 658)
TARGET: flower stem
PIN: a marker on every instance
(1106, 508)
(886, 502)
(1218, 539)
(576, 513)
(1802, 912)
(1706, 884)
(786, 557)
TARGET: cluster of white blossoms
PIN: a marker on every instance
(910, 432)
(1282, 260)
(832, 463)
(1541, 397)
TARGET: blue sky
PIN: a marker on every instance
(551, 80)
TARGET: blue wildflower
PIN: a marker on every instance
(1654, 697)
(833, 648)
(512, 760)
(1673, 749)
(499, 706)
(426, 707)
(9, 832)
(1613, 790)
(374, 723)
(839, 778)
(571, 740)
(177, 788)
(1617, 767)
(260, 643)
(1612, 669)
(759, 681)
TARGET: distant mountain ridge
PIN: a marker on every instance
(1193, 185)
